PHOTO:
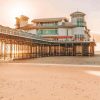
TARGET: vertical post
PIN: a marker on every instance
(54, 50)
(59, 50)
(14, 49)
(27, 50)
(81, 50)
(40, 50)
(49, 50)
(22, 50)
(92, 51)
(43, 50)
(10, 49)
(4, 50)
(35, 51)
(31, 50)
(0, 49)
(1, 46)
(65, 50)
(18, 50)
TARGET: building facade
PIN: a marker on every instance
(57, 28)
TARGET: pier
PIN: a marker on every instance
(18, 44)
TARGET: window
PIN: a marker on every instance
(80, 22)
(47, 32)
(49, 24)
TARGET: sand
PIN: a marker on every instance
(29, 81)
(76, 60)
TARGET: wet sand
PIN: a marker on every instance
(76, 60)
(29, 81)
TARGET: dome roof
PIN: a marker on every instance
(77, 13)
(22, 17)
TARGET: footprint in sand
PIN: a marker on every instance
(1, 97)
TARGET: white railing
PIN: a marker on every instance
(20, 33)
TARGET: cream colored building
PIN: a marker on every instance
(57, 28)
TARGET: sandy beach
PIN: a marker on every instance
(28, 81)
(51, 78)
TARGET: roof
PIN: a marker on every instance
(77, 13)
(28, 27)
(59, 37)
(22, 17)
(64, 25)
(67, 25)
(49, 20)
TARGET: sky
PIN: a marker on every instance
(9, 9)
